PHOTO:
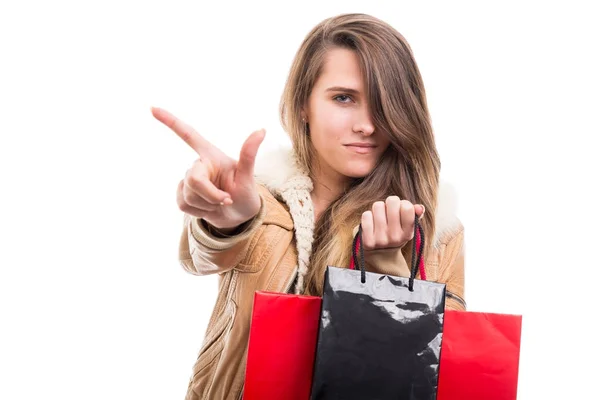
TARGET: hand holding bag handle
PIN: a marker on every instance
(417, 255)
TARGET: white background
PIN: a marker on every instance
(93, 303)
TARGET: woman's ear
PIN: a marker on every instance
(304, 113)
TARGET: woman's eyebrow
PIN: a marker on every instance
(342, 89)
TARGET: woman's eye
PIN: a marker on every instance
(342, 98)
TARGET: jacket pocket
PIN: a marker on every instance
(211, 351)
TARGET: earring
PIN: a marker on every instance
(306, 128)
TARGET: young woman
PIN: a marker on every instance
(363, 152)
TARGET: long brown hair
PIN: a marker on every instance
(409, 168)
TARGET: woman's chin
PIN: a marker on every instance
(358, 171)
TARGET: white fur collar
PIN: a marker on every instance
(279, 172)
(286, 180)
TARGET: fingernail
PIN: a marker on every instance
(227, 202)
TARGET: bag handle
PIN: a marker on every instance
(417, 262)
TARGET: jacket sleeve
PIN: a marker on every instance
(452, 270)
(202, 252)
(387, 261)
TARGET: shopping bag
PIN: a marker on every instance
(281, 346)
(480, 356)
(379, 335)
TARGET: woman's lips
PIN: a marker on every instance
(360, 148)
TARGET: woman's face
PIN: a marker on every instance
(341, 129)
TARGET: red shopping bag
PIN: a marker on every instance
(480, 356)
(281, 348)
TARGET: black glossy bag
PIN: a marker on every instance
(379, 336)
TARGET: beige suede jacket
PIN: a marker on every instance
(272, 254)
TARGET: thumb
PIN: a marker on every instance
(245, 168)
(420, 210)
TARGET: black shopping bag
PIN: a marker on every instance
(379, 335)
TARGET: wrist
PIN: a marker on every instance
(227, 231)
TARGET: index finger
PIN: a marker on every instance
(183, 130)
